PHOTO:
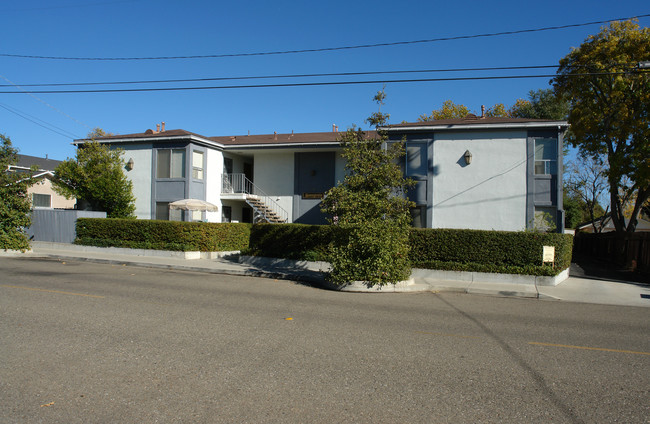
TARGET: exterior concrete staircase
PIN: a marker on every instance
(265, 208)
(262, 211)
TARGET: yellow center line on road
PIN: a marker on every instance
(52, 291)
(602, 349)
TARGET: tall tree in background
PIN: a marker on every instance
(541, 104)
(610, 110)
(15, 206)
(449, 110)
(587, 182)
(97, 177)
(370, 209)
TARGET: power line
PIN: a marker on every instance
(498, 68)
(31, 94)
(326, 49)
(42, 123)
(308, 84)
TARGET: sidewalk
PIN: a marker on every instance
(573, 289)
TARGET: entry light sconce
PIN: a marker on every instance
(129, 164)
(468, 157)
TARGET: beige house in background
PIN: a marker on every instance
(42, 194)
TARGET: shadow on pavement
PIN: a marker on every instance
(589, 268)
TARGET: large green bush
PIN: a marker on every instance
(163, 235)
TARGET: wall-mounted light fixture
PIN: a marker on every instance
(129, 164)
(468, 157)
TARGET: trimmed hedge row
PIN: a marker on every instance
(446, 249)
(291, 241)
(163, 235)
(514, 252)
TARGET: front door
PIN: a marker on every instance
(314, 175)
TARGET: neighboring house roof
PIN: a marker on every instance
(44, 164)
(643, 224)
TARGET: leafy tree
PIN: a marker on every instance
(541, 104)
(449, 110)
(586, 181)
(370, 209)
(97, 133)
(610, 110)
(96, 176)
(15, 206)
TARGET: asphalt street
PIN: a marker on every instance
(97, 343)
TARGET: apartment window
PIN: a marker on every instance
(163, 212)
(170, 163)
(545, 156)
(41, 200)
(197, 165)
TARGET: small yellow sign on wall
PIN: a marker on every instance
(548, 254)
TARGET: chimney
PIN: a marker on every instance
(162, 126)
(482, 111)
(157, 128)
(275, 135)
(333, 127)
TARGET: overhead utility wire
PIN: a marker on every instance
(335, 74)
(42, 123)
(31, 94)
(325, 49)
(308, 84)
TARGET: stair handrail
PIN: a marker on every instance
(239, 183)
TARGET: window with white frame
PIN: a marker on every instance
(545, 156)
(41, 200)
(170, 163)
(197, 165)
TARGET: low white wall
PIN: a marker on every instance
(488, 194)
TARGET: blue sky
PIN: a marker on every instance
(146, 28)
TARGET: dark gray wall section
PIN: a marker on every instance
(314, 173)
(169, 191)
(196, 187)
(544, 190)
(57, 225)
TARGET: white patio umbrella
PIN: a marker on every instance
(193, 205)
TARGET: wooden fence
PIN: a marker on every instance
(631, 251)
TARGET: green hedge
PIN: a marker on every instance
(447, 249)
(488, 251)
(163, 235)
(291, 241)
